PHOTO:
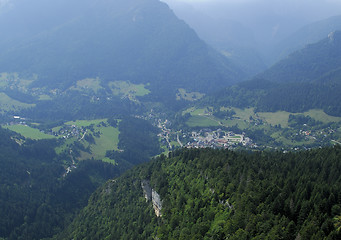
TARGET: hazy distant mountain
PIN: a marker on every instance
(309, 34)
(309, 63)
(137, 40)
(231, 38)
(307, 79)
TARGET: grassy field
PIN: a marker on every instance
(242, 117)
(275, 118)
(29, 132)
(127, 89)
(244, 114)
(93, 84)
(108, 140)
(241, 124)
(13, 79)
(320, 115)
(188, 96)
(9, 104)
(201, 121)
(197, 111)
(282, 117)
(86, 123)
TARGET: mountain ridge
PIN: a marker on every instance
(137, 41)
(309, 34)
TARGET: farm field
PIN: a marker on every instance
(320, 115)
(282, 117)
(127, 89)
(201, 121)
(108, 140)
(28, 132)
(189, 96)
(93, 84)
(276, 118)
(86, 123)
(105, 137)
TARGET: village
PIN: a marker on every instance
(69, 131)
(65, 131)
(202, 138)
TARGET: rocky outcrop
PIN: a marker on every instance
(147, 190)
(151, 195)
(157, 203)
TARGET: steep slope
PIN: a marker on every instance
(309, 63)
(215, 194)
(231, 38)
(309, 34)
(310, 78)
(37, 199)
(136, 40)
(307, 79)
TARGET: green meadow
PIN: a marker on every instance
(188, 96)
(92, 84)
(201, 121)
(86, 123)
(28, 132)
(128, 89)
(106, 138)
(9, 104)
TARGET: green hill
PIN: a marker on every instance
(219, 194)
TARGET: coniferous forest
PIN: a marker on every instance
(220, 194)
(150, 119)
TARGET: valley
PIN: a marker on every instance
(121, 120)
(197, 127)
(279, 131)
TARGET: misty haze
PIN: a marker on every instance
(174, 119)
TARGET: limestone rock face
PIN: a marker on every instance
(151, 195)
(157, 203)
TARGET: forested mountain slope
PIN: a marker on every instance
(140, 41)
(219, 194)
(308, 79)
(37, 198)
(309, 63)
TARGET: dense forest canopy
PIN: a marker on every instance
(37, 198)
(215, 194)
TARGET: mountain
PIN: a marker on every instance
(309, 34)
(309, 63)
(140, 41)
(307, 79)
(215, 194)
(231, 38)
